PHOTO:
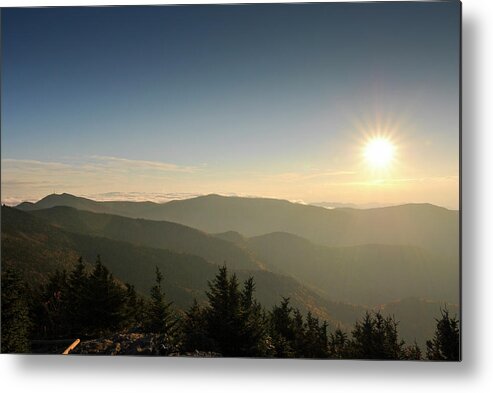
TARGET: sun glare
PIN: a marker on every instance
(379, 152)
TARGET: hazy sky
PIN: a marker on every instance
(264, 100)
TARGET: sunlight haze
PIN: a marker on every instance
(177, 106)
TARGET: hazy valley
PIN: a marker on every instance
(390, 259)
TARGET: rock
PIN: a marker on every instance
(135, 343)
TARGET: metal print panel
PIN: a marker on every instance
(269, 180)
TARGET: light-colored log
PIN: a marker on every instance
(72, 346)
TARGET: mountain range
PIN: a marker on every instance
(431, 227)
(37, 248)
(369, 274)
(335, 263)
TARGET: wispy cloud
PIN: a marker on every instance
(396, 181)
(25, 179)
(144, 164)
(33, 165)
(449, 178)
(119, 178)
(136, 196)
(297, 176)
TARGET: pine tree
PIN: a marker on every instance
(338, 345)
(412, 352)
(445, 344)
(160, 318)
(223, 313)
(77, 312)
(105, 299)
(299, 331)
(195, 330)
(282, 329)
(235, 320)
(16, 323)
(51, 312)
(376, 337)
(253, 335)
(315, 338)
(134, 306)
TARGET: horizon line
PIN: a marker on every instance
(190, 196)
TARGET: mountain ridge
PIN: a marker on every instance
(149, 233)
(37, 248)
(367, 274)
(425, 225)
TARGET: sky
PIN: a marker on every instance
(169, 102)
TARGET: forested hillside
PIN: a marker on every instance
(423, 225)
(156, 234)
(367, 274)
(111, 318)
(40, 242)
(36, 248)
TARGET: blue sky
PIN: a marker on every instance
(267, 100)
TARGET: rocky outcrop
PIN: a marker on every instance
(147, 344)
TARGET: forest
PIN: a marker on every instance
(89, 304)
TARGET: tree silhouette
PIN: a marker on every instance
(50, 311)
(195, 330)
(16, 323)
(376, 337)
(316, 341)
(134, 306)
(89, 302)
(445, 344)
(282, 329)
(253, 335)
(160, 318)
(338, 345)
(412, 352)
(235, 320)
(77, 312)
(105, 299)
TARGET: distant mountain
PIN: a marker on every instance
(122, 208)
(233, 237)
(36, 248)
(366, 274)
(334, 205)
(423, 225)
(156, 234)
(414, 316)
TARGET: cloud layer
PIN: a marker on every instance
(119, 178)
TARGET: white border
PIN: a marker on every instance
(84, 374)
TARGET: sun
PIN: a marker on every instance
(379, 152)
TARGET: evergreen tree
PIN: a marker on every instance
(51, 311)
(195, 330)
(445, 344)
(82, 304)
(105, 299)
(235, 320)
(315, 338)
(134, 306)
(338, 346)
(253, 335)
(16, 323)
(160, 318)
(77, 311)
(299, 332)
(412, 352)
(282, 329)
(376, 337)
(223, 312)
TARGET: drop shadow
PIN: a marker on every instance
(137, 367)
